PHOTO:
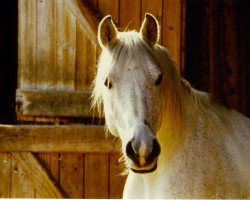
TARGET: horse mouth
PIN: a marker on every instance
(143, 170)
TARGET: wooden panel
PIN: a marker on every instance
(5, 168)
(110, 7)
(130, 15)
(37, 176)
(96, 171)
(45, 45)
(81, 57)
(21, 187)
(153, 7)
(50, 161)
(86, 15)
(71, 174)
(22, 47)
(59, 34)
(27, 45)
(74, 138)
(171, 27)
(43, 103)
(69, 50)
(117, 180)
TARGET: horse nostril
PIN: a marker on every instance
(129, 150)
(156, 148)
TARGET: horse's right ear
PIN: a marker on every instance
(150, 29)
(107, 32)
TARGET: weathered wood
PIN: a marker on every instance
(37, 175)
(52, 103)
(96, 172)
(22, 47)
(50, 161)
(59, 40)
(45, 45)
(69, 51)
(73, 138)
(21, 184)
(81, 56)
(5, 168)
(71, 174)
(86, 15)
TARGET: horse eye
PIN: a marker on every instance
(159, 79)
(108, 84)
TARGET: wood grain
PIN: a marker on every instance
(45, 45)
(55, 103)
(37, 175)
(5, 174)
(96, 173)
(42, 138)
(71, 174)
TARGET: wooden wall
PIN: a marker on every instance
(217, 46)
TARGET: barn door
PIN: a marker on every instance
(57, 57)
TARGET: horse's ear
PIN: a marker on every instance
(107, 33)
(150, 29)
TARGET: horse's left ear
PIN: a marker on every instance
(150, 30)
(107, 32)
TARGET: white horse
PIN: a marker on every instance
(177, 142)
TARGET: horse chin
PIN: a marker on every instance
(144, 170)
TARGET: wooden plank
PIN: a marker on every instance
(21, 185)
(5, 182)
(27, 44)
(81, 57)
(59, 25)
(117, 181)
(63, 138)
(22, 43)
(86, 15)
(47, 103)
(96, 173)
(45, 45)
(171, 28)
(91, 63)
(69, 50)
(71, 174)
(110, 7)
(130, 15)
(50, 161)
(37, 175)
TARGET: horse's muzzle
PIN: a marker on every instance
(144, 157)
